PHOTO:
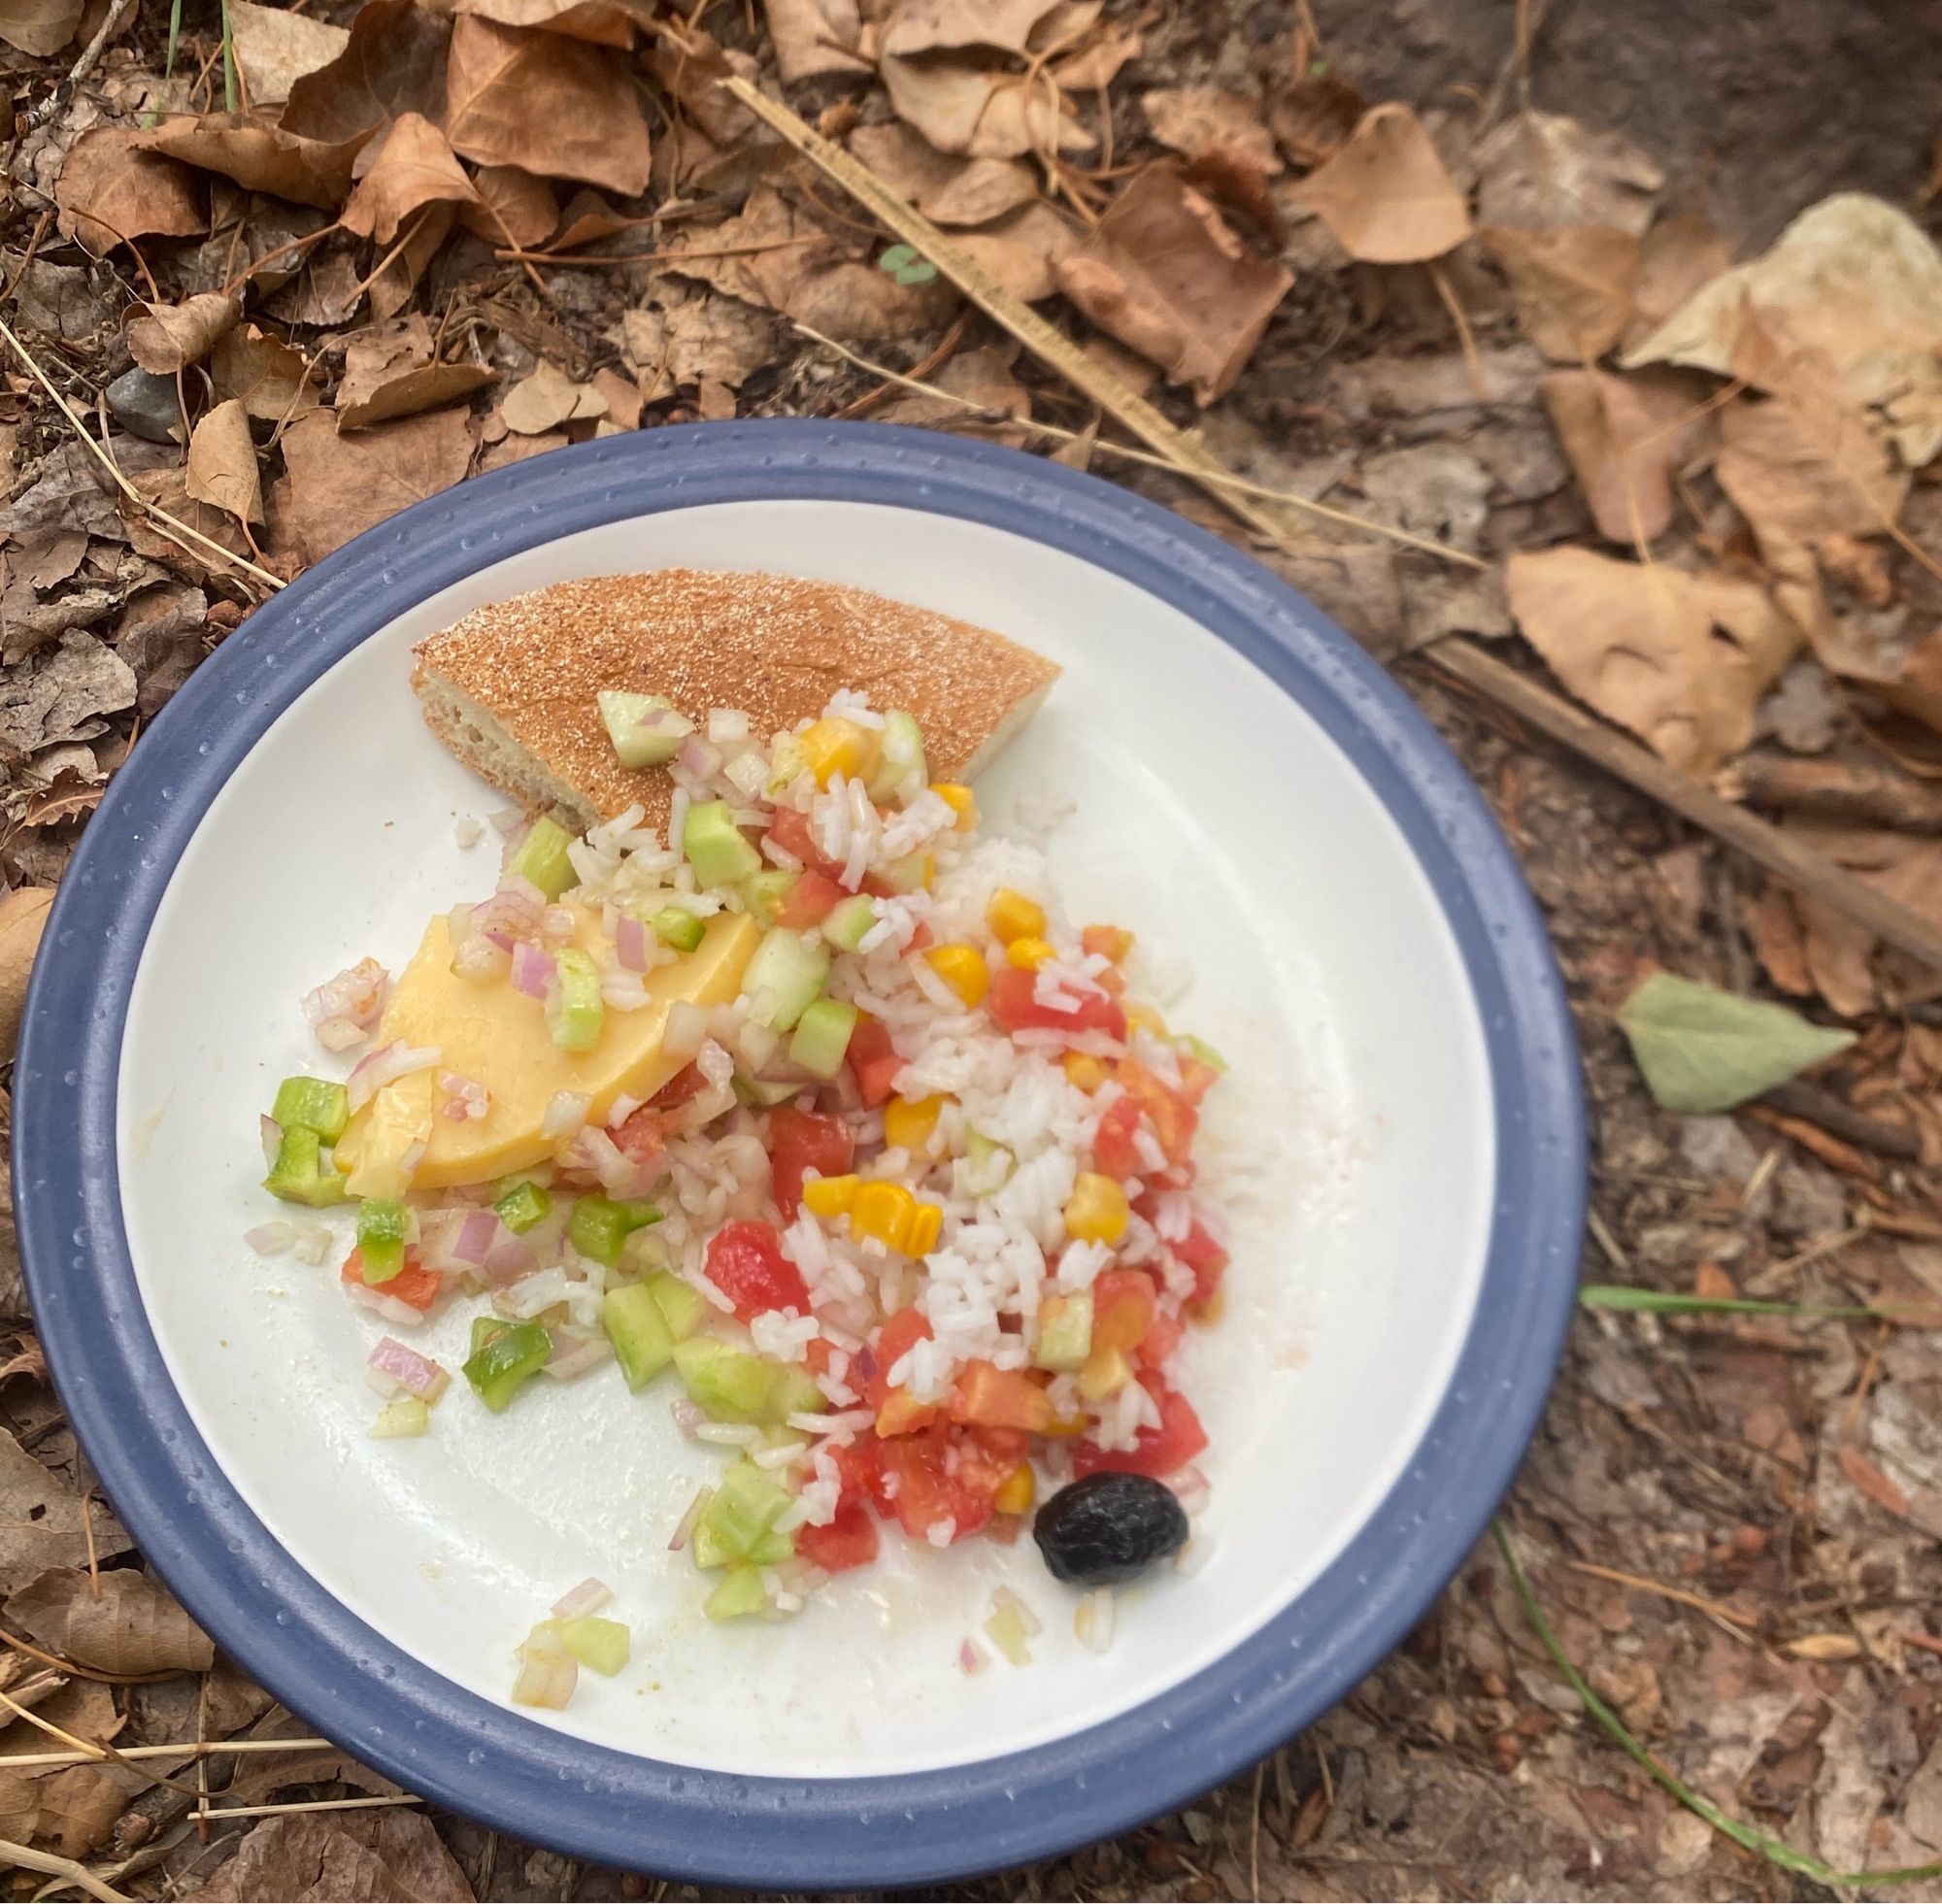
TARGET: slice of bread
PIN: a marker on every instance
(511, 688)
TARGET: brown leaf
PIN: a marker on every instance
(1097, 64)
(167, 489)
(61, 694)
(39, 26)
(1639, 643)
(980, 112)
(981, 377)
(512, 208)
(682, 341)
(603, 23)
(1195, 120)
(223, 467)
(393, 373)
(392, 64)
(1161, 272)
(159, 635)
(1024, 249)
(1573, 286)
(1544, 169)
(341, 485)
(947, 191)
(1625, 436)
(1314, 115)
(111, 191)
(943, 25)
(1677, 255)
(276, 48)
(547, 399)
(169, 337)
(815, 36)
(41, 1525)
(410, 259)
(80, 1805)
(411, 166)
(1806, 465)
(123, 1623)
(264, 373)
(1386, 194)
(387, 1856)
(520, 449)
(259, 155)
(19, 1807)
(29, 1540)
(1865, 1477)
(546, 104)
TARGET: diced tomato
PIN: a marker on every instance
(1012, 1000)
(922, 939)
(414, 1285)
(1124, 1303)
(1205, 1258)
(874, 1061)
(859, 1476)
(987, 1396)
(643, 1136)
(900, 1413)
(745, 1261)
(1156, 1451)
(790, 830)
(801, 1141)
(685, 1083)
(809, 901)
(986, 1456)
(1113, 1147)
(894, 1339)
(1174, 1119)
(849, 1541)
(924, 1492)
(1112, 941)
(1111, 982)
(815, 1354)
(1197, 1079)
(1159, 1342)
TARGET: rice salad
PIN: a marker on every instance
(911, 1229)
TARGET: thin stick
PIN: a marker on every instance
(1698, 1601)
(312, 1805)
(177, 530)
(1465, 340)
(28, 1859)
(196, 1749)
(653, 257)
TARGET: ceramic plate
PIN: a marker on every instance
(1402, 1133)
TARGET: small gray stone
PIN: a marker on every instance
(147, 405)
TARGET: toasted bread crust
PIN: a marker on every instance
(511, 688)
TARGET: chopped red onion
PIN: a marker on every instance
(508, 1260)
(356, 994)
(269, 1239)
(475, 1236)
(532, 970)
(272, 1134)
(566, 1111)
(574, 1352)
(865, 1369)
(630, 944)
(417, 1375)
(621, 1175)
(557, 923)
(505, 819)
(466, 1098)
(483, 957)
(687, 1418)
(699, 757)
(388, 1307)
(972, 1658)
(689, 1521)
(589, 1596)
(340, 1034)
(547, 1672)
(386, 1065)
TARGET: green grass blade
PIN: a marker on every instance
(175, 33)
(1773, 1850)
(1622, 1295)
(228, 60)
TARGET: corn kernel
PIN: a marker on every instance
(1027, 955)
(830, 1196)
(1017, 1491)
(910, 1123)
(1105, 1372)
(1083, 1070)
(1011, 916)
(1098, 1212)
(960, 800)
(1143, 1018)
(926, 1226)
(833, 745)
(963, 969)
(1065, 1430)
(883, 1211)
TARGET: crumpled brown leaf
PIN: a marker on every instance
(41, 1523)
(1164, 274)
(167, 489)
(1625, 436)
(276, 48)
(159, 635)
(342, 483)
(387, 1856)
(39, 26)
(549, 105)
(1837, 957)
(547, 399)
(1386, 195)
(682, 338)
(68, 491)
(1677, 255)
(393, 371)
(816, 36)
(946, 25)
(1024, 249)
(223, 467)
(80, 1805)
(110, 189)
(948, 190)
(392, 64)
(1806, 465)
(1314, 115)
(603, 23)
(169, 337)
(1680, 659)
(514, 207)
(1573, 285)
(61, 694)
(258, 155)
(1545, 169)
(410, 259)
(410, 166)
(1098, 62)
(29, 1542)
(125, 1622)
(1195, 121)
(264, 373)
(982, 377)
(981, 113)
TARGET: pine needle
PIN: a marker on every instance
(1659, 1302)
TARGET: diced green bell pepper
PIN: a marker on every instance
(677, 927)
(381, 1237)
(723, 1383)
(542, 858)
(682, 1305)
(601, 1644)
(523, 1207)
(601, 1225)
(574, 1007)
(740, 1594)
(300, 1174)
(643, 1343)
(312, 1104)
(510, 1355)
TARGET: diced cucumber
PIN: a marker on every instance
(913, 873)
(312, 1104)
(986, 1167)
(850, 920)
(622, 715)
(677, 927)
(714, 848)
(541, 858)
(601, 1224)
(746, 1506)
(772, 1549)
(783, 977)
(522, 1207)
(301, 1174)
(822, 1036)
(643, 1253)
(723, 1383)
(902, 761)
(401, 1420)
(643, 1343)
(1199, 1046)
(574, 1007)
(682, 1306)
(709, 1548)
(792, 1390)
(739, 1594)
(763, 1093)
(762, 892)
(381, 1237)
(1064, 1332)
(601, 1644)
(500, 1366)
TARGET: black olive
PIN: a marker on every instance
(1109, 1527)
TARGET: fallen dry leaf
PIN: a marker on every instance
(510, 449)
(1386, 194)
(946, 25)
(41, 1522)
(276, 48)
(1639, 643)
(410, 166)
(167, 489)
(264, 373)
(223, 467)
(547, 399)
(549, 105)
(19, 1807)
(1195, 120)
(123, 1623)
(815, 36)
(169, 337)
(1677, 255)
(1573, 286)
(979, 113)
(1314, 115)
(512, 208)
(1545, 169)
(948, 190)
(1625, 436)
(392, 64)
(602, 22)
(410, 259)
(159, 635)
(1824, 1645)
(688, 338)
(394, 373)
(1857, 281)
(341, 485)
(62, 694)
(110, 190)
(258, 156)
(982, 377)
(1163, 273)
(387, 1856)
(1097, 63)
(80, 1805)
(1024, 249)
(1807, 465)
(39, 26)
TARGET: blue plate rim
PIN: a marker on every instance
(591, 1801)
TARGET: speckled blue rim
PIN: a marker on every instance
(764, 1833)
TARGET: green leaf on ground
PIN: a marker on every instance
(1702, 1049)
